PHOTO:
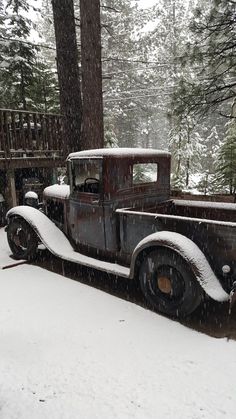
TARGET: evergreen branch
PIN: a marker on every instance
(110, 8)
(26, 42)
(226, 116)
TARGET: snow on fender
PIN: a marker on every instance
(58, 244)
(192, 254)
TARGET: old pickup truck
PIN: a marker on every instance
(116, 215)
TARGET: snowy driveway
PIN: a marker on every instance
(70, 351)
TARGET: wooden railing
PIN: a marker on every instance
(30, 134)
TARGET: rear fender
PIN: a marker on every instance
(190, 252)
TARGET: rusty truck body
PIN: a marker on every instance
(116, 215)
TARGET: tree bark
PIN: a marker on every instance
(68, 73)
(92, 126)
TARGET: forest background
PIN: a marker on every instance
(168, 79)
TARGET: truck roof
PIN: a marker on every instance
(119, 152)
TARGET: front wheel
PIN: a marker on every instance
(22, 239)
(168, 283)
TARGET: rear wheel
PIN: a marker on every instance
(168, 283)
(22, 239)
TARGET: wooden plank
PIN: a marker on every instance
(29, 141)
(59, 134)
(21, 131)
(29, 112)
(47, 136)
(54, 132)
(50, 137)
(43, 139)
(36, 131)
(6, 131)
(2, 136)
(31, 162)
(13, 131)
(23, 163)
(11, 188)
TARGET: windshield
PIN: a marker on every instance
(86, 175)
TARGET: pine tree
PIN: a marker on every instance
(19, 56)
(211, 53)
(44, 90)
(3, 63)
(47, 34)
(226, 164)
(187, 147)
(119, 72)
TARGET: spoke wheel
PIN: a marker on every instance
(168, 283)
(22, 239)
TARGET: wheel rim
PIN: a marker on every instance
(167, 284)
(164, 284)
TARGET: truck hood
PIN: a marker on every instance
(57, 192)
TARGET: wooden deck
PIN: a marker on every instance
(30, 139)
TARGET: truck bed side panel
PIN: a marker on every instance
(216, 240)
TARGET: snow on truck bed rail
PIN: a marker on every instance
(119, 152)
(178, 217)
(205, 204)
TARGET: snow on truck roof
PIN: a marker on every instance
(119, 152)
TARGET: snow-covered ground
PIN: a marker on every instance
(5, 253)
(71, 351)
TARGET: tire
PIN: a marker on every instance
(168, 283)
(22, 239)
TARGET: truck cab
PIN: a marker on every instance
(100, 181)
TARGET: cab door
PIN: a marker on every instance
(86, 209)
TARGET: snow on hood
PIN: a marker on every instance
(57, 191)
(31, 194)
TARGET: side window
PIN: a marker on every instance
(86, 176)
(144, 173)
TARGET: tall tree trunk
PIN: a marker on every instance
(68, 72)
(92, 127)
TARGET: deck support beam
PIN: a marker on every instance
(11, 198)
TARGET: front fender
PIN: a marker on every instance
(193, 256)
(59, 245)
(50, 235)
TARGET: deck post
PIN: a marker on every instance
(11, 188)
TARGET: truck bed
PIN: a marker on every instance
(194, 209)
(212, 226)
